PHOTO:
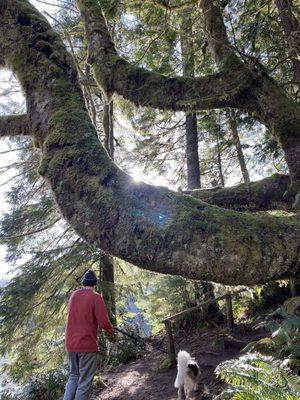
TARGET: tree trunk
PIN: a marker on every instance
(107, 283)
(106, 261)
(108, 127)
(151, 227)
(192, 153)
(238, 146)
(191, 131)
(111, 131)
(291, 29)
(219, 159)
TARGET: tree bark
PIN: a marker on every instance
(264, 100)
(108, 128)
(267, 194)
(151, 227)
(291, 29)
(192, 153)
(238, 146)
(107, 263)
(108, 285)
(14, 125)
(219, 157)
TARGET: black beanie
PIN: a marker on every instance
(89, 278)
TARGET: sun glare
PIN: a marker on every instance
(136, 174)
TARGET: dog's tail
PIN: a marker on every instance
(182, 366)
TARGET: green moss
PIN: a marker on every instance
(167, 364)
(266, 346)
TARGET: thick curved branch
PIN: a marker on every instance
(245, 87)
(267, 194)
(14, 125)
(114, 74)
(151, 227)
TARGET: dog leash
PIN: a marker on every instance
(137, 339)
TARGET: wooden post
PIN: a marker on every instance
(229, 312)
(170, 341)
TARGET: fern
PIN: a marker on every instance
(285, 338)
(256, 377)
(292, 306)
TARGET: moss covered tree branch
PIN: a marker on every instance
(266, 194)
(151, 227)
(14, 125)
(245, 86)
(146, 88)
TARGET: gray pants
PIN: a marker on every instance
(82, 370)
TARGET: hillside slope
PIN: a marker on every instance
(140, 380)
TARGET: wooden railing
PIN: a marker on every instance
(229, 313)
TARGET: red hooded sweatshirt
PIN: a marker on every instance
(86, 316)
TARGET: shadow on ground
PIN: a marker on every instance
(140, 380)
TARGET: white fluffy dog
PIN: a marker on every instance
(188, 373)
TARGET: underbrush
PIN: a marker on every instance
(256, 377)
(284, 326)
(47, 385)
(123, 351)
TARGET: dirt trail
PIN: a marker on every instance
(139, 380)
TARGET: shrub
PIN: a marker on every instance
(285, 339)
(44, 386)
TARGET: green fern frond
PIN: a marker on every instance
(255, 376)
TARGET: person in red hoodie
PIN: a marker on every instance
(87, 315)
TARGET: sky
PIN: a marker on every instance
(7, 157)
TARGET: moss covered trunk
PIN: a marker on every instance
(107, 262)
(151, 227)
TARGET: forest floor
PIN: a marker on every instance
(140, 379)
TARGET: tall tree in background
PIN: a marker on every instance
(291, 29)
(191, 131)
(237, 143)
(106, 262)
